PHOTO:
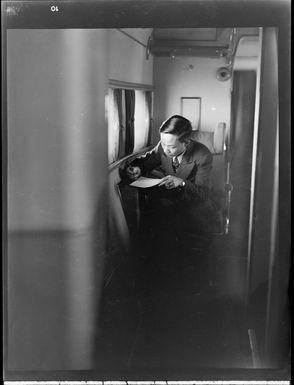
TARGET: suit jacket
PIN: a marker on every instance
(194, 169)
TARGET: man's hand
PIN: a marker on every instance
(171, 181)
(133, 173)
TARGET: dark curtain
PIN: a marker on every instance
(148, 96)
(242, 126)
(130, 112)
(122, 128)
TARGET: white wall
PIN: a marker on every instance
(127, 57)
(57, 157)
(173, 80)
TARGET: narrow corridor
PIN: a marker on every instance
(176, 313)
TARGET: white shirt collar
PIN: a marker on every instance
(179, 157)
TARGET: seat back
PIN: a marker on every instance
(213, 140)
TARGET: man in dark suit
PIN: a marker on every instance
(181, 203)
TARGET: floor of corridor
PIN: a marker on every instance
(175, 312)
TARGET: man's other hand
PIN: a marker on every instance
(133, 173)
(171, 182)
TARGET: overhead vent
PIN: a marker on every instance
(204, 42)
(197, 42)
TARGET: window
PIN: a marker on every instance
(129, 113)
(114, 124)
(142, 120)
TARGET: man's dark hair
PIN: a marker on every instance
(177, 125)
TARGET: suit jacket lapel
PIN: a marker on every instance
(167, 164)
(186, 164)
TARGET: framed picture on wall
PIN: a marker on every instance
(191, 109)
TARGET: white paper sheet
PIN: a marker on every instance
(144, 182)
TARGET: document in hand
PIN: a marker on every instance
(144, 182)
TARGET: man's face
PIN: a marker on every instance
(171, 145)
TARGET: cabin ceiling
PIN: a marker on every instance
(207, 42)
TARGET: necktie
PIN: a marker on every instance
(176, 163)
